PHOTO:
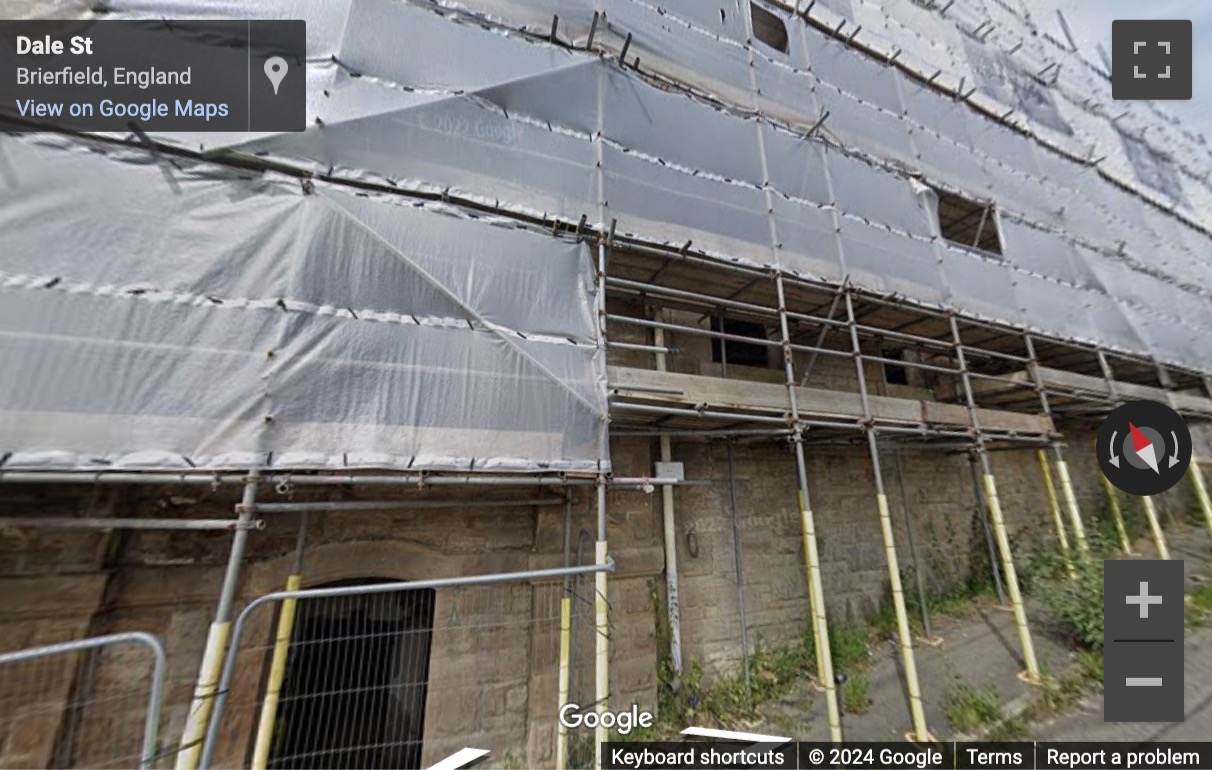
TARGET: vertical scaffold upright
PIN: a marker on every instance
(916, 712)
(1062, 466)
(216, 640)
(1159, 536)
(994, 505)
(808, 528)
(807, 519)
(601, 637)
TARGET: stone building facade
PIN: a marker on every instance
(498, 687)
(528, 142)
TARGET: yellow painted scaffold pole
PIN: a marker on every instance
(1117, 515)
(1058, 523)
(994, 505)
(1201, 493)
(1159, 537)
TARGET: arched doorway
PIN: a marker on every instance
(356, 678)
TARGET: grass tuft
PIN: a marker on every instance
(856, 694)
(1008, 731)
(969, 708)
(849, 646)
(1198, 605)
(1090, 665)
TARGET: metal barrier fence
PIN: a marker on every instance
(394, 674)
(88, 703)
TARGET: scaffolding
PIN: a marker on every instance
(1003, 390)
(995, 388)
(984, 387)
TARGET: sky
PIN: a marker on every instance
(1091, 20)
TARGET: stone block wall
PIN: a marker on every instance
(50, 587)
(479, 670)
(492, 676)
(854, 570)
(500, 688)
(934, 487)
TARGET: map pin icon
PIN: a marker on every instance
(275, 70)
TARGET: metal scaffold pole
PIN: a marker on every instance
(983, 512)
(916, 712)
(565, 670)
(1117, 512)
(820, 625)
(1062, 466)
(1197, 474)
(601, 639)
(673, 602)
(816, 594)
(1075, 514)
(737, 556)
(1201, 492)
(277, 668)
(1054, 507)
(995, 513)
(105, 522)
(739, 562)
(1117, 515)
(918, 579)
(196, 722)
(1159, 536)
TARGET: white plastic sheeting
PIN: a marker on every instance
(534, 128)
(155, 317)
(501, 367)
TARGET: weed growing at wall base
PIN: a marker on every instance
(1077, 602)
(685, 699)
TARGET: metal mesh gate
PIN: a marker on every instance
(373, 673)
(87, 703)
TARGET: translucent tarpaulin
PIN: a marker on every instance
(819, 161)
(190, 317)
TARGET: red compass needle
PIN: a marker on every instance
(1143, 448)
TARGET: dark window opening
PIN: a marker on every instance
(356, 681)
(967, 223)
(768, 28)
(739, 353)
(894, 374)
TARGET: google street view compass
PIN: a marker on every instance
(1144, 447)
